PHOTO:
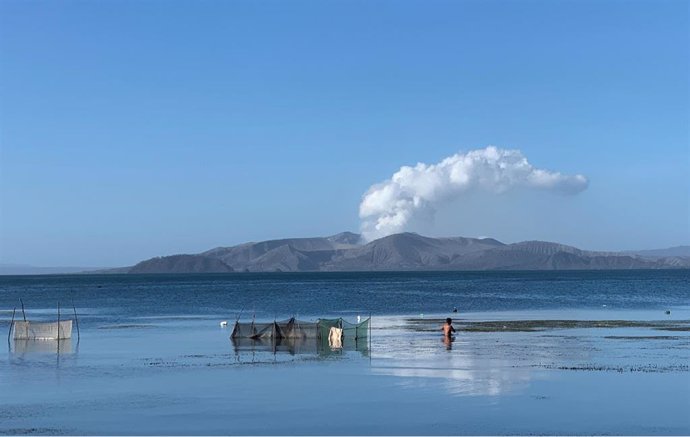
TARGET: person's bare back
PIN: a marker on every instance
(448, 329)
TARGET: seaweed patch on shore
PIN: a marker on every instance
(644, 337)
(431, 325)
(647, 368)
(33, 431)
(228, 360)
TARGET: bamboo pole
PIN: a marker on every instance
(58, 333)
(273, 338)
(11, 326)
(239, 315)
(371, 342)
(23, 313)
(76, 320)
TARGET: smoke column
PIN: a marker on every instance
(412, 192)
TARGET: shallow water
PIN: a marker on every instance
(167, 367)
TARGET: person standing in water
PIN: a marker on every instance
(448, 329)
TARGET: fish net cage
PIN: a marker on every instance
(291, 328)
(324, 337)
(322, 329)
(25, 330)
(292, 346)
(349, 330)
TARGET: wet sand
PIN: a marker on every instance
(526, 372)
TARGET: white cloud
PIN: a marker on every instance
(411, 192)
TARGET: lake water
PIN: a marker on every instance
(152, 358)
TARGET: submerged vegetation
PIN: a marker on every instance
(419, 324)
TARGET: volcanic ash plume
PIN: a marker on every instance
(413, 192)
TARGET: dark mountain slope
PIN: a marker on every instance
(406, 251)
(181, 264)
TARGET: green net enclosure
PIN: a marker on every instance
(339, 334)
(356, 330)
(325, 326)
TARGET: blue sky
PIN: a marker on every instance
(130, 129)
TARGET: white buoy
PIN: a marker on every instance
(359, 318)
(224, 323)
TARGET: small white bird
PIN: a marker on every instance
(224, 323)
(359, 318)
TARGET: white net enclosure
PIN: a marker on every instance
(25, 330)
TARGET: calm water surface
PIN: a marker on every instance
(152, 358)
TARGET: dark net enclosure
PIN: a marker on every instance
(293, 328)
(324, 337)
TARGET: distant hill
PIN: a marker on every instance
(406, 251)
(182, 264)
(291, 254)
(678, 251)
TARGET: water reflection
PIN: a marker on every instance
(36, 354)
(39, 347)
(473, 363)
(448, 341)
(250, 347)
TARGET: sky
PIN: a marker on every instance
(133, 129)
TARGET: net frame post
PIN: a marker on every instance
(371, 343)
(76, 320)
(9, 333)
(23, 312)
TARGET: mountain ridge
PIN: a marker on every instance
(400, 252)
